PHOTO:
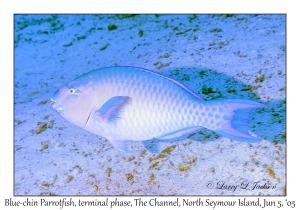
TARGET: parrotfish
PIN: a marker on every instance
(130, 103)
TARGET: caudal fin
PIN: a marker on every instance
(236, 126)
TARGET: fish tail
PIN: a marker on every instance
(236, 120)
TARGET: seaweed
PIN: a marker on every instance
(45, 146)
(43, 102)
(41, 129)
(152, 177)
(207, 91)
(112, 27)
(34, 93)
(216, 30)
(129, 177)
(68, 45)
(43, 32)
(81, 37)
(153, 166)
(271, 173)
(191, 18)
(91, 29)
(186, 77)
(229, 15)
(70, 178)
(141, 33)
(231, 91)
(183, 32)
(166, 55)
(164, 153)
(104, 47)
(184, 168)
(45, 184)
(108, 171)
(260, 79)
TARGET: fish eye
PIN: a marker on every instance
(71, 91)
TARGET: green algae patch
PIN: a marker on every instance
(45, 185)
(231, 91)
(43, 126)
(68, 45)
(141, 33)
(34, 93)
(184, 168)
(202, 74)
(271, 173)
(129, 177)
(168, 150)
(112, 27)
(131, 158)
(163, 153)
(41, 129)
(152, 177)
(191, 18)
(283, 137)
(43, 102)
(186, 77)
(193, 160)
(161, 65)
(70, 178)
(206, 90)
(81, 37)
(183, 32)
(142, 155)
(108, 171)
(104, 47)
(260, 79)
(154, 165)
(43, 32)
(44, 147)
(216, 30)
(229, 15)
(166, 55)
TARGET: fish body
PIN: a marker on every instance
(129, 103)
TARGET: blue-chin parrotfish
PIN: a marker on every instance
(129, 103)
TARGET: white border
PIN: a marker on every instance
(8, 8)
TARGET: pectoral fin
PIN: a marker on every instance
(110, 111)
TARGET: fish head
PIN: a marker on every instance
(75, 101)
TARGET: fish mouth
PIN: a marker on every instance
(58, 108)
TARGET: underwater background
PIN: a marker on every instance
(216, 56)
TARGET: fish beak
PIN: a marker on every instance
(58, 108)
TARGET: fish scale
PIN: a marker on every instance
(129, 103)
